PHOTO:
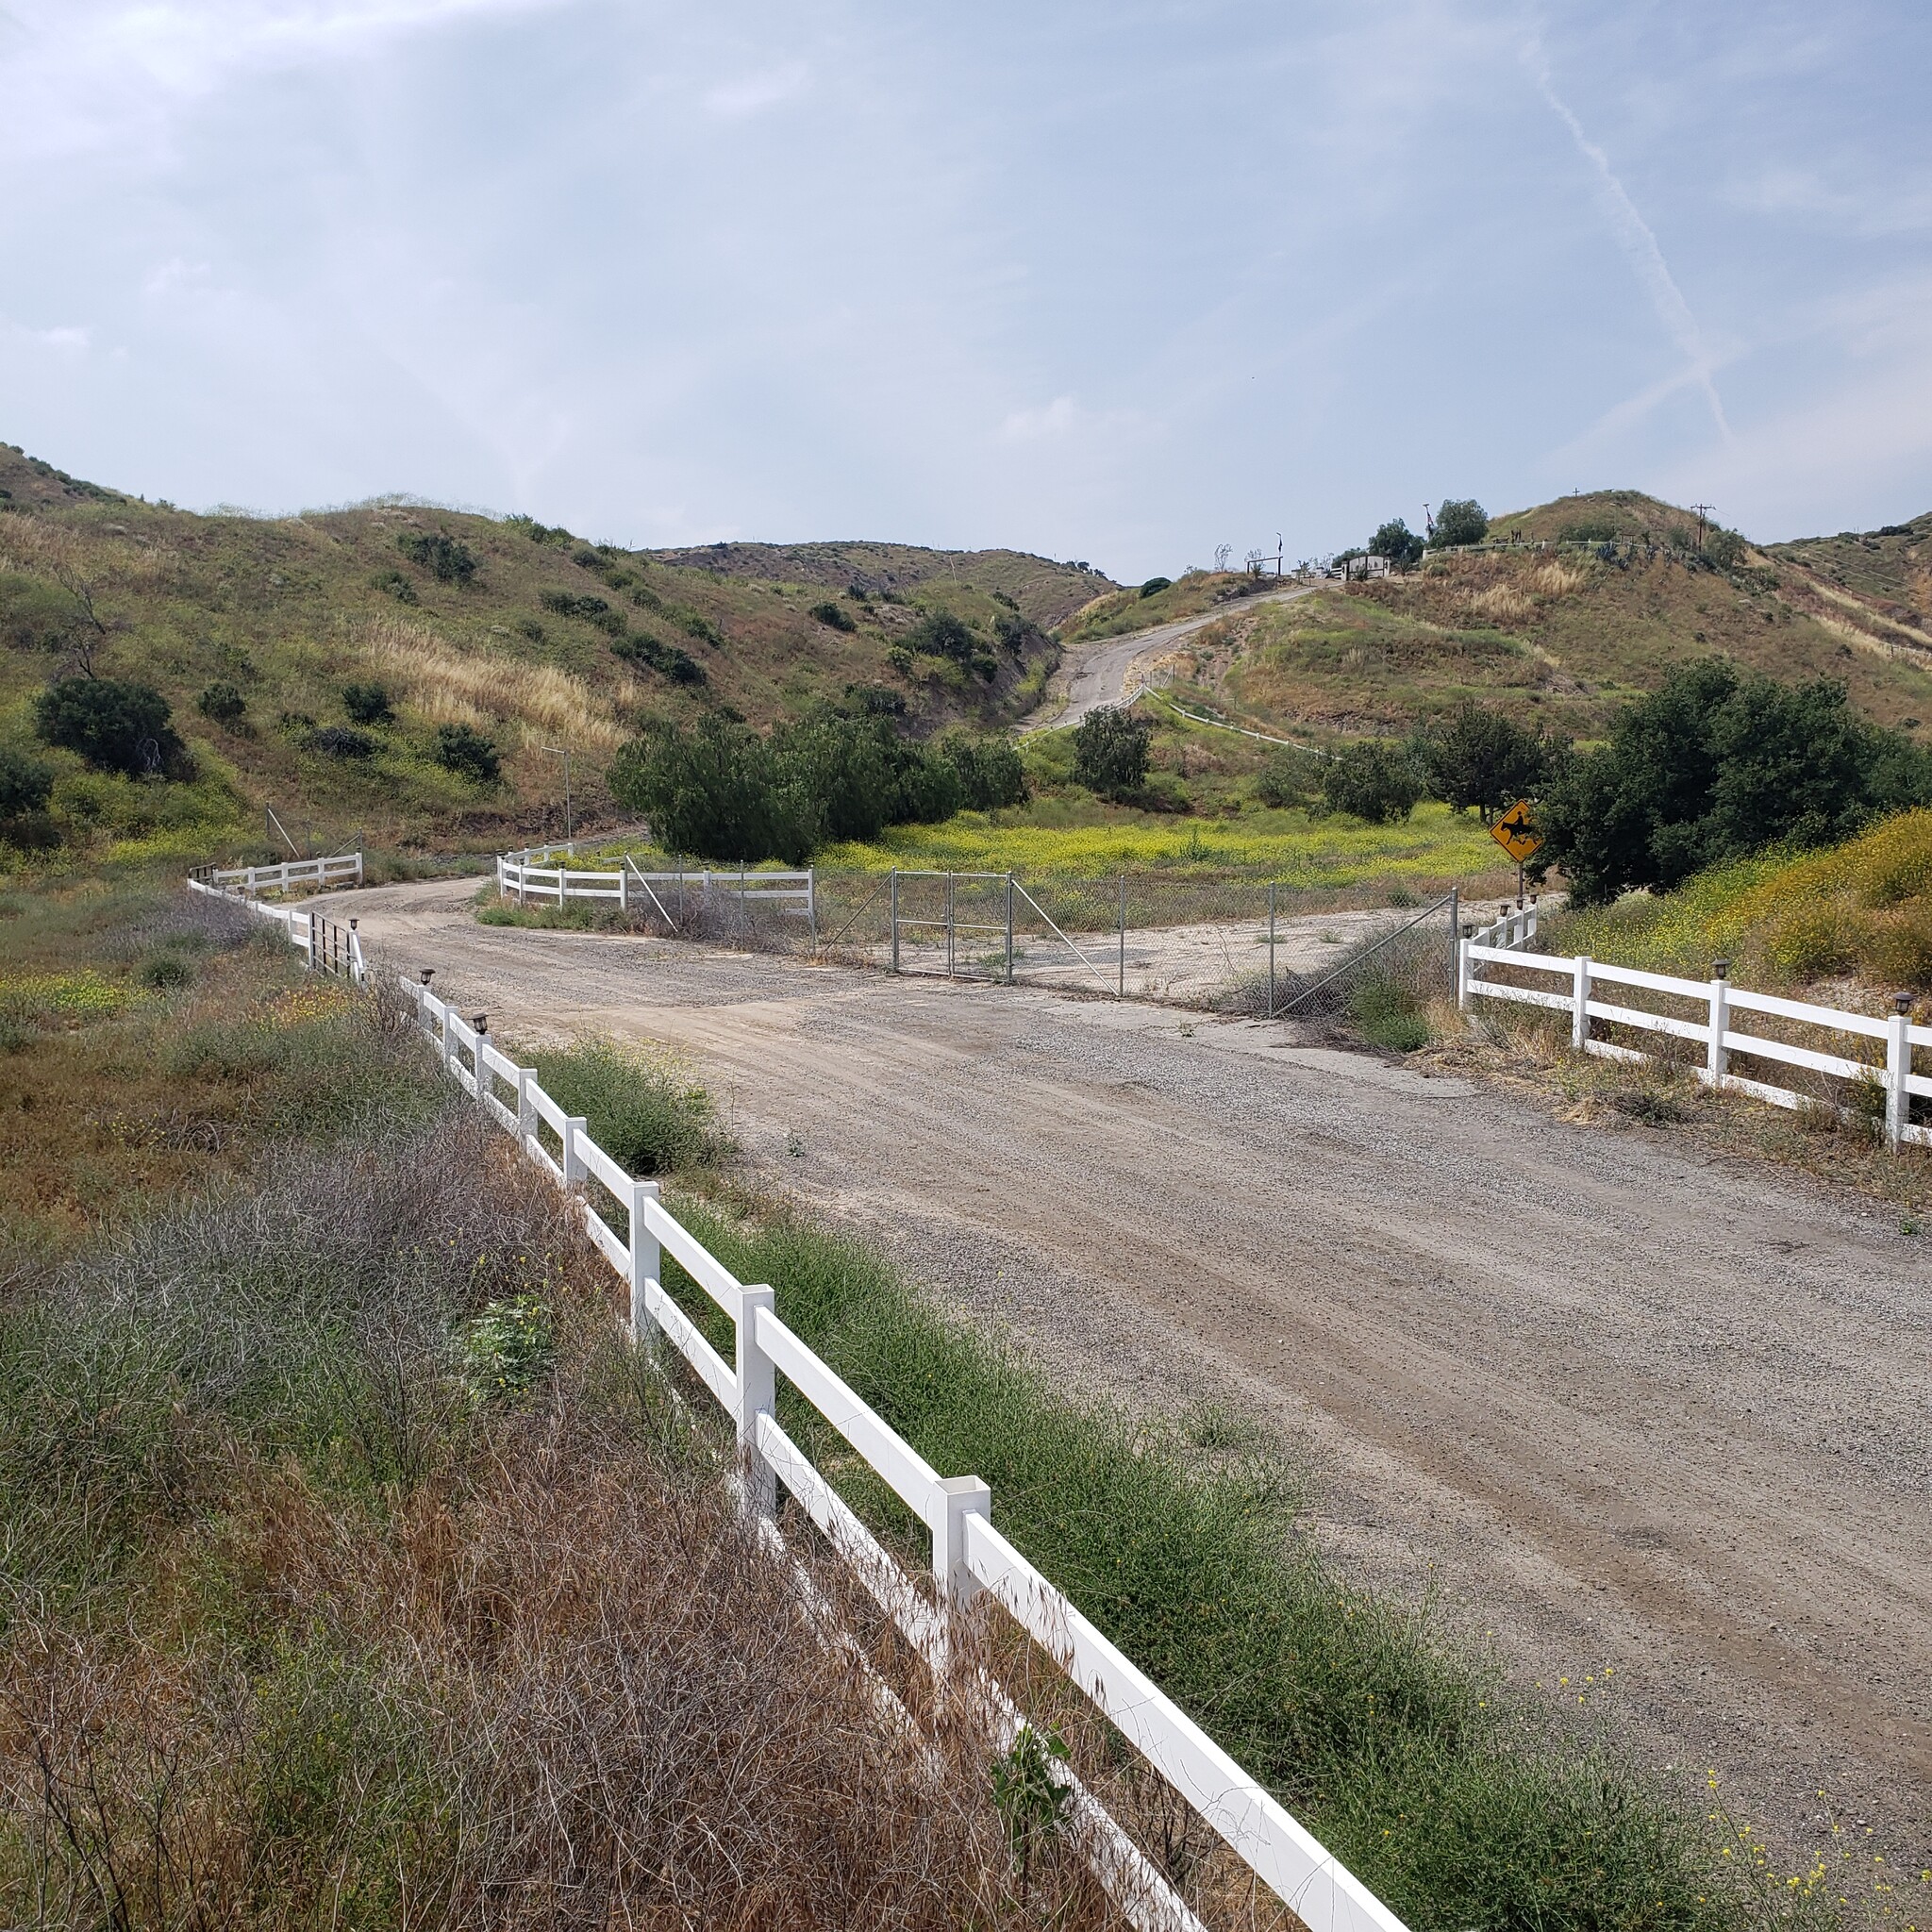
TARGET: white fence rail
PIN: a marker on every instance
(1880, 1051)
(676, 897)
(318, 874)
(325, 946)
(969, 1554)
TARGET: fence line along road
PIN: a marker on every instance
(694, 893)
(325, 947)
(631, 1227)
(1718, 1029)
(249, 880)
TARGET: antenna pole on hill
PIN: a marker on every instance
(557, 752)
(1703, 509)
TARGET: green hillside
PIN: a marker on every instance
(1569, 610)
(531, 636)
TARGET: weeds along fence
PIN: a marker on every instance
(1801, 1055)
(969, 1559)
(973, 1567)
(325, 946)
(316, 875)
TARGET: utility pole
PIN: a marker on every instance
(558, 752)
(1704, 511)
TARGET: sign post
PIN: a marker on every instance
(1516, 833)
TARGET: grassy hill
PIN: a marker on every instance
(531, 635)
(1568, 611)
(1857, 915)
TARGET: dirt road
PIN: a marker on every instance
(1095, 675)
(1618, 1403)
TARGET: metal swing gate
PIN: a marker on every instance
(962, 924)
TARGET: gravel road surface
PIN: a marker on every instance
(1612, 1399)
(1095, 675)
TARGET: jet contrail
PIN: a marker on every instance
(1639, 245)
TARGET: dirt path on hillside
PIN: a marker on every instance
(1094, 675)
(1618, 1402)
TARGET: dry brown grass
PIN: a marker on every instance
(571, 1691)
(449, 687)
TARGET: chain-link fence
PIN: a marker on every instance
(1218, 942)
(1226, 943)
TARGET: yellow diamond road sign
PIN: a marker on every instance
(1514, 832)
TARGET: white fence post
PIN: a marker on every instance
(1898, 1072)
(959, 1497)
(1579, 1013)
(573, 1161)
(756, 1396)
(1462, 972)
(1717, 1060)
(527, 1109)
(647, 1264)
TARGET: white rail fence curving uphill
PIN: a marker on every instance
(676, 897)
(317, 874)
(325, 946)
(1879, 1057)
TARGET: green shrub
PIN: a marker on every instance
(115, 725)
(342, 741)
(693, 625)
(1019, 634)
(1388, 1014)
(939, 634)
(223, 701)
(394, 584)
(640, 1108)
(989, 771)
(831, 614)
(367, 704)
(1290, 776)
(668, 661)
(1111, 752)
(1154, 586)
(464, 750)
(26, 784)
(567, 604)
(165, 972)
(1477, 757)
(447, 559)
(1372, 781)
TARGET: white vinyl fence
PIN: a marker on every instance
(318, 874)
(969, 1554)
(676, 897)
(325, 946)
(1879, 1051)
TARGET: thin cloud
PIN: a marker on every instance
(75, 74)
(1639, 243)
(1037, 425)
(752, 93)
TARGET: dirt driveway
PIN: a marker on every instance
(1618, 1402)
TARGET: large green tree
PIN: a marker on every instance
(1477, 757)
(1715, 765)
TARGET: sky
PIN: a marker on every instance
(1119, 282)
